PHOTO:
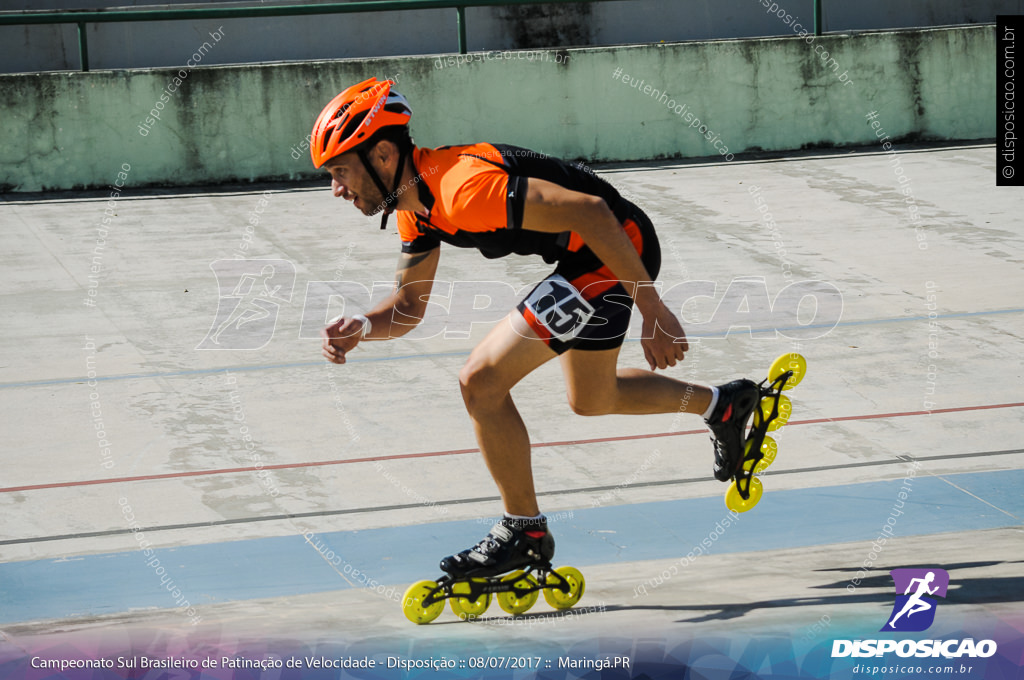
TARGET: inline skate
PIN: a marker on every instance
(742, 455)
(512, 563)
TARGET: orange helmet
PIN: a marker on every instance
(354, 116)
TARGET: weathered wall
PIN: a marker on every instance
(246, 123)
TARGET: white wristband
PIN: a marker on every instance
(367, 326)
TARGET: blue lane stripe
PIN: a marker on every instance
(92, 585)
(404, 357)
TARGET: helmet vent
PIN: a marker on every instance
(355, 116)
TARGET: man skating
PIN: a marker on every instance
(504, 200)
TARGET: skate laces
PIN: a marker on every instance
(722, 435)
(721, 452)
(490, 544)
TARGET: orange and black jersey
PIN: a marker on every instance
(475, 195)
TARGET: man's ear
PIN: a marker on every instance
(386, 152)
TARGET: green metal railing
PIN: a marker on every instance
(83, 17)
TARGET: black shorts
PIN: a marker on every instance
(582, 305)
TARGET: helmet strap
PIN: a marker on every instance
(390, 198)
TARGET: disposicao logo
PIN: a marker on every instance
(913, 612)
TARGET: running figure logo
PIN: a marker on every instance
(251, 293)
(915, 611)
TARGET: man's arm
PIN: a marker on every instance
(396, 315)
(402, 311)
(554, 209)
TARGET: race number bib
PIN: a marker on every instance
(559, 307)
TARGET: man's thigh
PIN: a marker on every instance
(509, 352)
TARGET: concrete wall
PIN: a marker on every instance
(247, 123)
(169, 43)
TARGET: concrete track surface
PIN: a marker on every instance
(185, 479)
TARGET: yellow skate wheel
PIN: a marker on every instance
(465, 608)
(770, 449)
(514, 604)
(562, 600)
(785, 411)
(412, 603)
(734, 501)
(788, 362)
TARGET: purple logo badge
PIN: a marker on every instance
(914, 610)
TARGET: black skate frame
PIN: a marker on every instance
(758, 430)
(478, 585)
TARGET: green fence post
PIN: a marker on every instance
(817, 17)
(83, 46)
(460, 15)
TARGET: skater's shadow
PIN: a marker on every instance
(875, 588)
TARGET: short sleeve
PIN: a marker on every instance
(414, 240)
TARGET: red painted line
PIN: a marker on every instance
(456, 452)
(222, 471)
(903, 414)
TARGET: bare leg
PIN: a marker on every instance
(508, 353)
(596, 387)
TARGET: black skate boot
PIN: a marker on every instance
(511, 544)
(728, 423)
(512, 563)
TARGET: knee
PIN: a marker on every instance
(479, 385)
(590, 405)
